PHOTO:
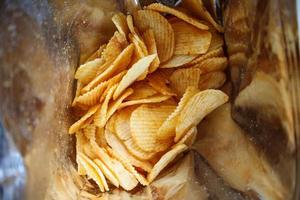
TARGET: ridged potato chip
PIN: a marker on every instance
(119, 64)
(161, 8)
(153, 99)
(197, 108)
(119, 148)
(150, 43)
(166, 159)
(178, 61)
(120, 22)
(163, 32)
(144, 123)
(81, 140)
(158, 81)
(189, 138)
(136, 151)
(212, 80)
(112, 49)
(122, 123)
(100, 139)
(90, 132)
(92, 97)
(141, 90)
(167, 129)
(87, 71)
(107, 173)
(212, 64)
(77, 125)
(182, 78)
(133, 73)
(97, 54)
(213, 53)
(190, 40)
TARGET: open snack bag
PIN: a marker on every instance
(147, 100)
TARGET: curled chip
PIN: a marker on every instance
(92, 97)
(189, 138)
(165, 160)
(190, 40)
(122, 123)
(212, 64)
(87, 71)
(197, 108)
(144, 123)
(212, 80)
(133, 73)
(153, 99)
(178, 61)
(181, 79)
(163, 32)
(141, 90)
(137, 151)
(112, 49)
(149, 39)
(107, 173)
(161, 8)
(120, 22)
(210, 54)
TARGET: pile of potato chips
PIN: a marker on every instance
(141, 95)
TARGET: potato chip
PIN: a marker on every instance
(90, 132)
(141, 90)
(107, 173)
(214, 53)
(182, 78)
(212, 64)
(189, 138)
(94, 172)
(119, 148)
(87, 71)
(161, 8)
(198, 9)
(119, 64)
(167, 129)
(178, 61)
(153, 99)
(101, 115)
(150, 43)
(97, 54)
(79, 86)
(212, 80)
(159, 82)
(144, 123)
(122, 123)
(120, 22)
(100, 139)
(136, 151)
(217, 41)
(163, 32)
(77, 125)
(113, 49)
(166, 159)
(197, 108)
(128, 166)
(81, 140)
(122, 40)
(133, 73)
(190, 40)
(92, 97)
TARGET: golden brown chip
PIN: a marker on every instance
(189, 138)
(92, 97)
(181, 79)
(141, 90)
(161, 8)
(153, 99)
(197, 108)
(163, 32)
(159, 82)
(87, 71)
(167, 129)
(81, 140)
(217, 41)
(120, 22)
(107, 173)
(212, 80)
(119, 64)
(178, 61)
(77, 125)
(212, 64)
(136, 151)
(214, 53)
(190, 40)
(100, 139)
(144, 123)
(97, 54)
(150, 43)
(122, 123)
(112, 49)
(166, 159)
(90, 132)
(133, 73)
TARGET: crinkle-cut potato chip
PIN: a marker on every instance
(212, 64)
(94, 172)
(189, 138)
(81, 140)
(100, 117)
(212, 80)
(163, 32)
(217, 41)
(113, 49)
(158, 81)
(136, 151)
(199, 10)
(144, 123)
(213, 53)
(92, 97)
(79, 86)
(133, 73)
(87, 71)
(153, 99)
(77, 125)
(100, 139)
(120, 22)
(119, 148)
(90, 132)
(197, 108)
(190, 40)
(166, 159)
(141, 90)
(150, 43)
(182, 78)
(178, 61)
(107, 173)
(122, 123)
(165, 9)
(118, 65)
(128, 166)
(97, 53)
(167, 129)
